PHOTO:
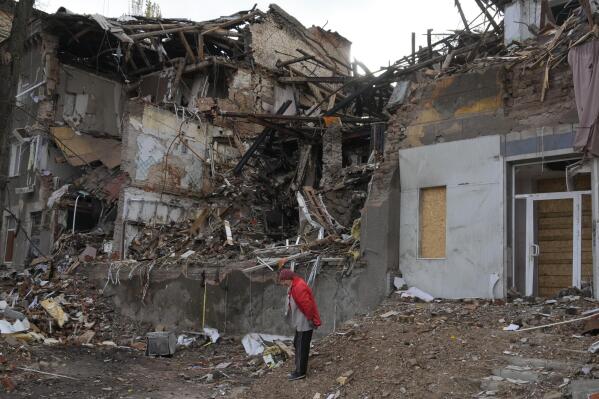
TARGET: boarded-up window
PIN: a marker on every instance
(11, 226)
(432, 221)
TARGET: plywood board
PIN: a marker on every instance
(554, 233)
(80, 149)
(433, 219)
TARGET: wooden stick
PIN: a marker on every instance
(558, 323)
(43, 372)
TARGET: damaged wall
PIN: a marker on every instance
(89, 103)
(494, 100)
(502, 100)
(161, 151)
(280, 35)
(473, 260)
(238, 304)
(42, 167)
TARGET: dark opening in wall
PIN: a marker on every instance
(87, 214)
(562, 9)
(356, 147)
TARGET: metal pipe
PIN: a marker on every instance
(75, 214)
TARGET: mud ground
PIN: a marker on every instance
(448, 349)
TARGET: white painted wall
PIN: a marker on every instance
(473, 171)
(517, 15)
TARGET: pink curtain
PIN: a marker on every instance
(584, 61)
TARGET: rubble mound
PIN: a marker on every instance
(448, 349)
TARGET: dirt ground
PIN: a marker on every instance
(98, 372)
(435, 350)
(441, 350)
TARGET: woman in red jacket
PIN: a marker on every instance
(302, 314)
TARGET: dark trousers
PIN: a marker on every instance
(301, 342)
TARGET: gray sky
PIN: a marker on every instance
(379, 29)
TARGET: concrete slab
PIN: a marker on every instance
(581, 389)
(522, 375)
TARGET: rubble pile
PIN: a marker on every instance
(72, 250)
(457, 348)
(67, 310)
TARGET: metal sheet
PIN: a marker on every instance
(472, 170)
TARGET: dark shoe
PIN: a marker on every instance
(295, 376)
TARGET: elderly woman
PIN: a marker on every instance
(302, 314)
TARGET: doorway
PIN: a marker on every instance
(551, 228)
(554, 241)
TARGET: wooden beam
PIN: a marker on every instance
(208, 62)
(429, 42)
(295, 118)
(145, 35)
(332, 68)
(314, 79)
(188, 49)
(143, 55)
(464, 20)
(586, 6)
(322, 87)
(413, 48)
(200, 43)
(233, 22)
(489, 16)
(277, 127)
(258, 141)
(281, 64)
(150, 26)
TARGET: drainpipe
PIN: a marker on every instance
(75, 214)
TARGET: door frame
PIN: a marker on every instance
(532, 248)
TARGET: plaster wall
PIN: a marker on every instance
(474, 262)
(517, 16)
(155, 158)
(239, 303)
(89, 103)
(272, 41)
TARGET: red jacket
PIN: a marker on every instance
(302, 295)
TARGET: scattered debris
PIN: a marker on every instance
(414, 292)
(160, 343)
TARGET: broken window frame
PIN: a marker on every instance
(419, 254)
(10, 233)
(14, 169)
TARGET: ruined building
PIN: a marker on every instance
(185, 147)
(184, 162)
(497, 175)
